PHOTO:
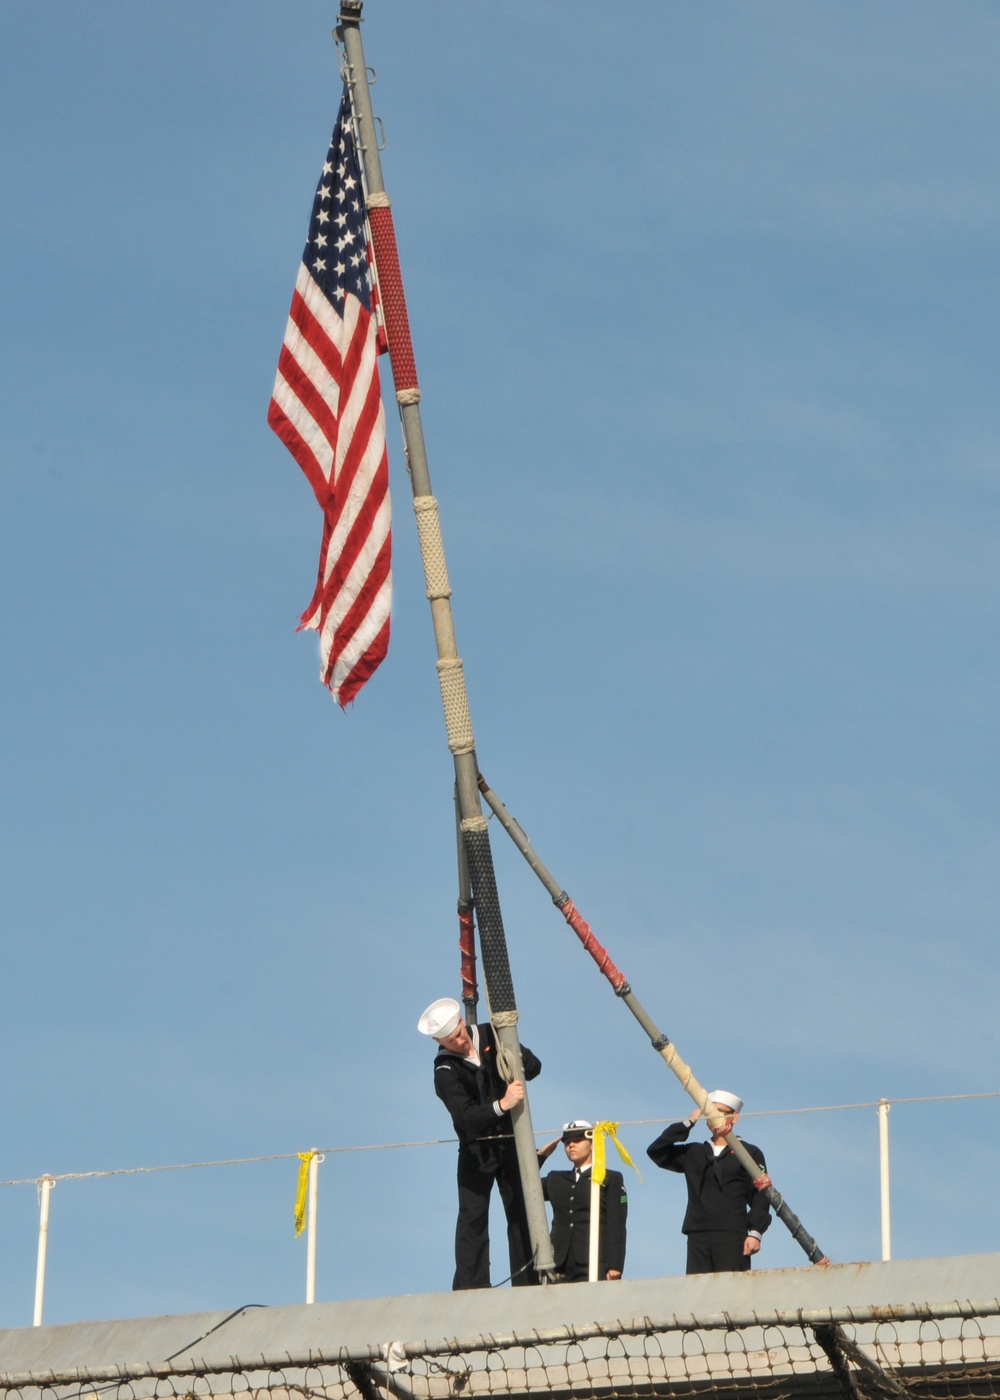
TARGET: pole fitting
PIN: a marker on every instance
(625, 990)
(561, 899)
(660, 1043)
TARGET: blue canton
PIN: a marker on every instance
(336, 251)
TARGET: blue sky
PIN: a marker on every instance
(703, 300)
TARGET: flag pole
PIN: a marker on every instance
(660, 1043)
(458, 722)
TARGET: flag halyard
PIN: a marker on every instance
(327, 409)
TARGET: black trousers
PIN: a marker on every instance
(472, 1233)
(717, 1252)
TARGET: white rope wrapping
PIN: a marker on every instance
(505, 1060)
(425, 508)
(407, 396)
(477, 823)
(378, 200)
(457, 720)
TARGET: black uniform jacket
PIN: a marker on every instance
(469, 1094)
(721, 1195)
(571, 1222)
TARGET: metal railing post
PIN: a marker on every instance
(312, 1201)
(45, 1185)
(883, 1172)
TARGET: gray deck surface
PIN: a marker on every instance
(413, 1318)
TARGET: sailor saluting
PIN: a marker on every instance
(471, 1087)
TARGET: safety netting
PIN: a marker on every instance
(951, 1351)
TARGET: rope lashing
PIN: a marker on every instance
(505, 1063)
(467, 949)
(492, 941)
(586, 936)
(599, 1170)
(300, 1191)
(457, 720)
(390, 284)
(425, 508)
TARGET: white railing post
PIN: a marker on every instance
(45, 1185)
(883, 1172)
(594, 1253)
(311, 1203)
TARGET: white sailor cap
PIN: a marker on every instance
(441, 1018)
(732, 1101)
(578, 1128)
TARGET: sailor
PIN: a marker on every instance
(479, 1099)
(568, 1192)
(727, 1213)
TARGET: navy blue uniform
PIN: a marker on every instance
(723, 1203)
(486, 1153)
(569, 1195)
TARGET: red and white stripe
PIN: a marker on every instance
(327, 409)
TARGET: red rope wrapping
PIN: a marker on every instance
(762, 1182)
(467, 947)
(585, 934)
(393, 299)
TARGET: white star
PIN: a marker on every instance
(355, 259)
(343, 241)
(323, 192)
(350, 182)
(321, 240)
(341, 170)
(327, 168)
(323, 216)
(319, 265)
(340, 269)
(341, 219)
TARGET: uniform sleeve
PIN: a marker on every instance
(471, 1118)
(616, 1208)
(760, 1211)
(668, 1150)
(532, 1064)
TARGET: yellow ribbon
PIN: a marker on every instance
(600, 1169)
(300, 1191)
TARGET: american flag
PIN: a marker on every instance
(327, 409)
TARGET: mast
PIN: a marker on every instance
(458, 722)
